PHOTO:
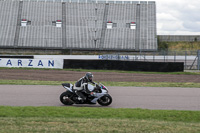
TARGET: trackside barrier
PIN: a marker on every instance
(32, 63)
(125, 65)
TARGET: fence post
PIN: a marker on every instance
(185, 59)
(198, 61)
(174, 56)
(164, 55)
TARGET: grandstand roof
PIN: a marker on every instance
(91, 1)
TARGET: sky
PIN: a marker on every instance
(178, 17)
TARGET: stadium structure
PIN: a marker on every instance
(78, 24)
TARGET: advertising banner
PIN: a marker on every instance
(32, 63)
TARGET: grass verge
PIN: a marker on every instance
(87, 125)
(99, 112)
(108, 83)
(75, 119)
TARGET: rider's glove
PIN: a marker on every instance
(92, 93)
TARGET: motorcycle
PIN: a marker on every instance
(99, 94)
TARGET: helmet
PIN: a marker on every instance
(89, 76)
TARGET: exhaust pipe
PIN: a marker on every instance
(68, 99)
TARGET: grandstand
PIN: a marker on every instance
(78, 24)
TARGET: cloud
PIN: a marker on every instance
(192, 26)
(178, 17)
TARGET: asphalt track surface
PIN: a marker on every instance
(167, 98)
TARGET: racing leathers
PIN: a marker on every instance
(82, 85)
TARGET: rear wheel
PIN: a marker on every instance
(64, 98)
(105, 100)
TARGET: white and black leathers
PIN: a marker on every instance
(82, 85)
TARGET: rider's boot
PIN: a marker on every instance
(81, 97)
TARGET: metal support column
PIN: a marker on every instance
(198, 60)
(64, 41)
(17, 32)
(185, 59)
(137, 35)
(103, 31)
(174, 56)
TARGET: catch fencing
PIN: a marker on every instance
(191, 59)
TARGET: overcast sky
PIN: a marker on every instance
(178, 17)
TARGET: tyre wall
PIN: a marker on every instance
(125, 65)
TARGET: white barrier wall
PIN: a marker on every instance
(57, 61)
(32, 63)
(121, 57)
(82, 57)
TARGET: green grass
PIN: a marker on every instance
(76, 119)
(32, 82)
(107, 83)
(99, 112)
(178, 46)
(154, 84)
(87, 125)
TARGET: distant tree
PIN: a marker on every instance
(162, 45)
(195, 39)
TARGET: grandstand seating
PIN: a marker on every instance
(41, 32)
(121, 37)
(8, 22)
(83, 24)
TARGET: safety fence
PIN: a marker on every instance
(191, 59)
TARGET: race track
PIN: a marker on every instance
(167, 98)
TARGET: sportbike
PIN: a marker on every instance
(99, 94)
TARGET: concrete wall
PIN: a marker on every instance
(177, 38)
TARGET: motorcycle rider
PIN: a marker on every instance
(81, 85)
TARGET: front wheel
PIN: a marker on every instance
(64, 98)
(105, 100)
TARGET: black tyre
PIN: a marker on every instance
(105, 100)
(64, 98)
